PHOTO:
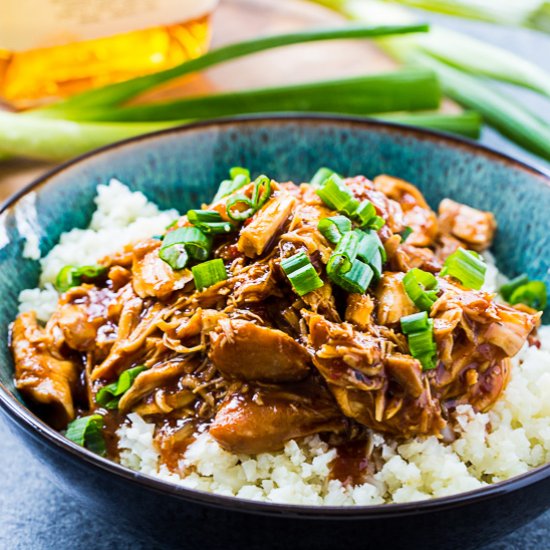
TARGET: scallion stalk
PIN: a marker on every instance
(115, 94)
(408, 89)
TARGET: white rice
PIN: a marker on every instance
(511, 439)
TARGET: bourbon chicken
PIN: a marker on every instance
(280, 311)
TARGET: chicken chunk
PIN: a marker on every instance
(417, 214)
(152, 276)
(39, 376)
(243, 350)
(266, 421)
(393, 301)
(476, 336)
(371, 383)
(262, 230)
(475, 228)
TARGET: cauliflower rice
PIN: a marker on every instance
(509, 440)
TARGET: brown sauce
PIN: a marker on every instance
(351, 464)
(111, 423)
(172, 441)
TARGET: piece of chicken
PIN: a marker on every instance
(475, 228)
(417, 214)
(393, 301)
(265, 421)
(267, 222)
(475, 337)
(243, 350)
(39, 376)
(152, 276)
(372, 382)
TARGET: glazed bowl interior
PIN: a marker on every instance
(181, 168)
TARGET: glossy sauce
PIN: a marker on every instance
(351, 464)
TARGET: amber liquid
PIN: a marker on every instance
(35, 77)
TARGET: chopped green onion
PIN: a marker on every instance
(421, 287)
(209, 273)
(467, 266)
(262, 191)
(109, 396)
(183, 244)
(376, 223)
(368, 243)
(71, 275)
(357, 279)
(419, 330)
(321, 176)
(241, 214)
(406, 233)
(88, 432)
(532, 294)
(507, 289)
(415, 322)
(365, 212)
(260, 195)
(239, 178)
(239, 171)
(209, 221)
(300, 272)
(345, 253)
(335, 194)
(333, 228)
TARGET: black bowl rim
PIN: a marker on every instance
(22, 416)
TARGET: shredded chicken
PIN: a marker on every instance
(258, 364)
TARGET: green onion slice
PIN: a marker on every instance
(300, 272)
(183, 244)
(533, 294)
(507, 289)
(419, 330)
(236, 171)
(365, 212)
(406, 233)
(415, 322)
(467, 266)
(209, 273)
(209, 221)
(71, 275)
(239, 178)
(345, 253)
(262, 191)
(376, 223)
(335, 194)
(240, 214)
(321, 176)
(421, 288)
(109, 396)
(88, 432)
(357, 279)
(333, 228)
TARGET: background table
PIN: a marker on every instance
(34, 513)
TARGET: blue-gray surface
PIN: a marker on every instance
(35, 514)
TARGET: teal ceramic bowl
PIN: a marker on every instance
(181, 168)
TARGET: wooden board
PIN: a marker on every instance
(240, 19)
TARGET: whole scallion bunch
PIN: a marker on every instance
(465, 65)
(101, 116)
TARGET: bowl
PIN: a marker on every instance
(182, 167)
